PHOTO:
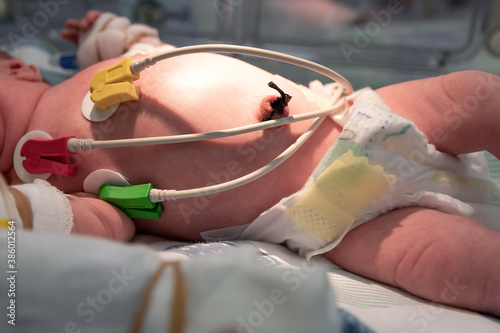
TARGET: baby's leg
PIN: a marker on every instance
(444, 258)
(458, 112)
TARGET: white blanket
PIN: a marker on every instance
(79, 284)
(379, 307)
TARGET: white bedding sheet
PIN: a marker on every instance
(381, 307)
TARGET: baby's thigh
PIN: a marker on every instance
(406, 237)
(423, 251)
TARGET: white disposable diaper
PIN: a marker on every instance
(51, 209)
(380, 162)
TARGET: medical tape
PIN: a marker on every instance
(329, 206)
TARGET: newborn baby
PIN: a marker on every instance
(414, 247)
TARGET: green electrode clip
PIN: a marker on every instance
(133, 200)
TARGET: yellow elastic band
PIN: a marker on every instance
(179, 300)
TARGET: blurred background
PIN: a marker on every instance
(370, 42)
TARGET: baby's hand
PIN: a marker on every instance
(75, 28)
(94, 217)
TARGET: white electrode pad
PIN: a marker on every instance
(91, 112)
(103, 176)
(24, 175)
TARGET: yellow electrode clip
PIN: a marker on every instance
(114, 85)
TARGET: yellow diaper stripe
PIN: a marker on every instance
(331, 204)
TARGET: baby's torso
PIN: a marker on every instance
(183, 96)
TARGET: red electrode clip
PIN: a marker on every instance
(48, 156)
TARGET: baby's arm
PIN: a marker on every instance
(44, 208)
(101, 36)
(95, 217)
(444, 258)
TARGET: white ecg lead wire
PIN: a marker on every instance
(138, 65)
(157, 195)
(75, 144)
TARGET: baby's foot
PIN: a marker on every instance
(75, 28)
